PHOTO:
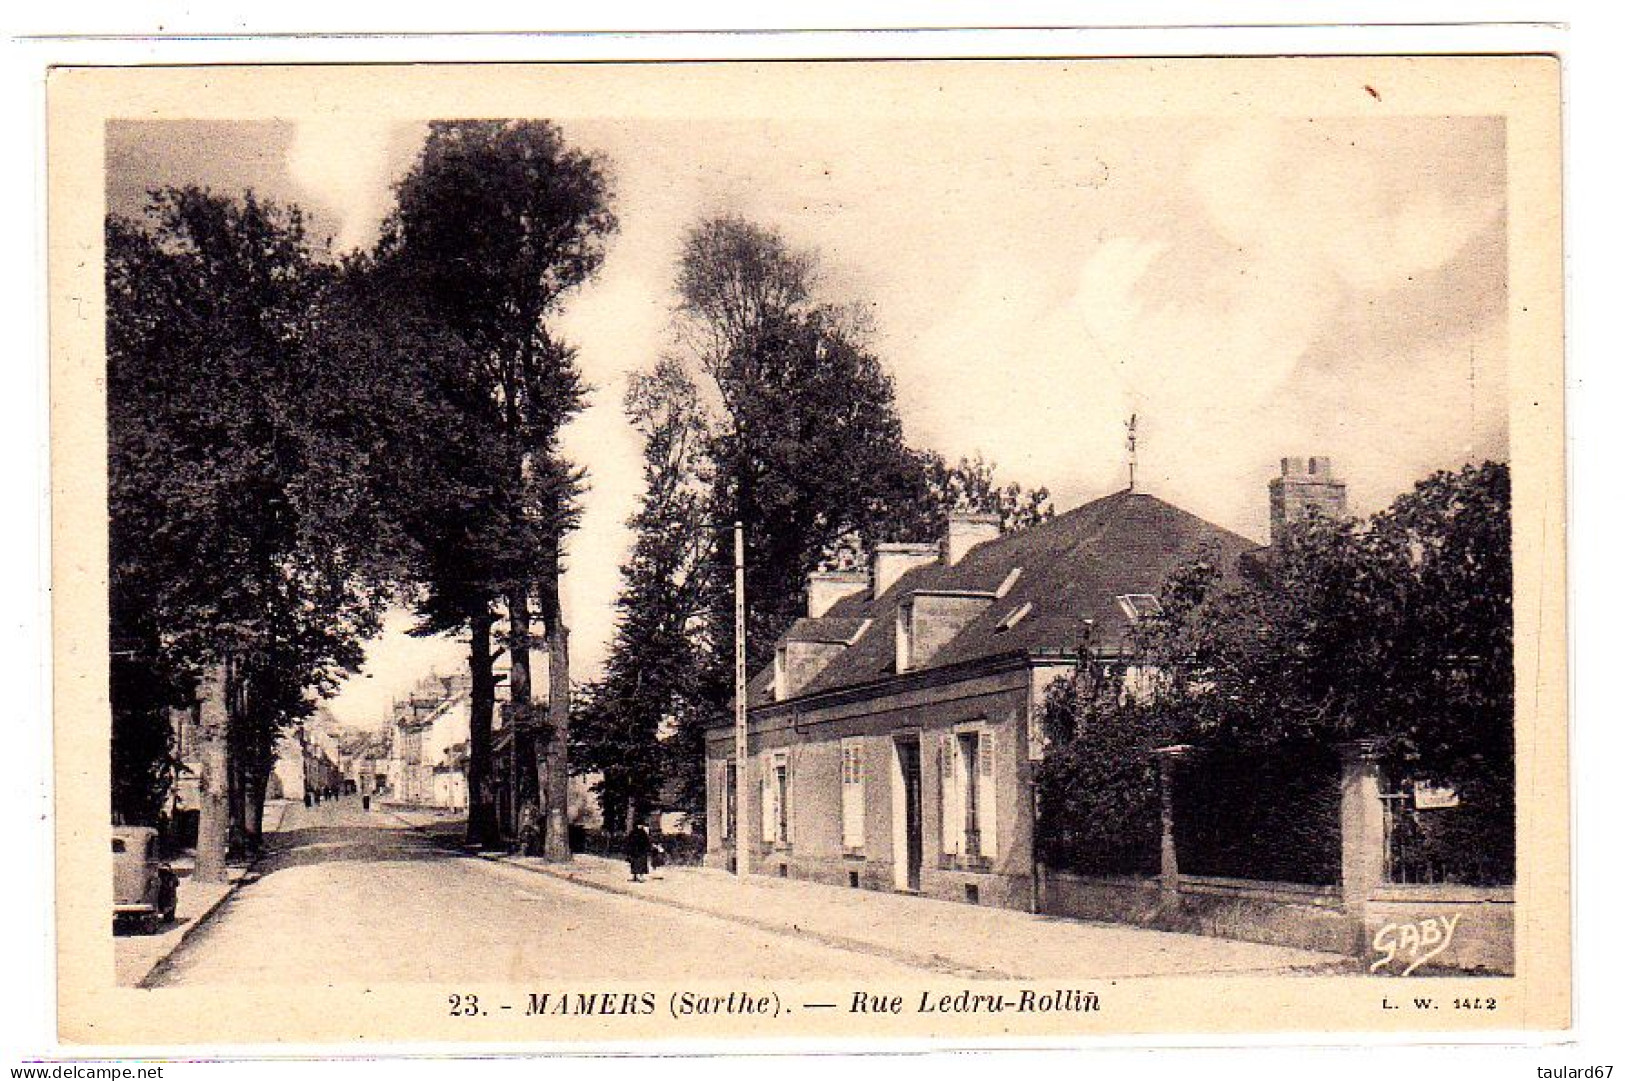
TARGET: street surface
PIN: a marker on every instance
(346, 896)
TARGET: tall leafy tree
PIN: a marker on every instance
(494, 225)
(791, 428)
(631, 721)
(809, 453)
(243, 536)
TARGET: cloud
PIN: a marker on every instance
(345, 158)
(1251, 290)
(1346, 198)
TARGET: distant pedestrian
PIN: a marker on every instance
(530, 829)
(638, 847)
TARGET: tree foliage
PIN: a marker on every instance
(1395, 630)
(494, 225)
(630, 726)
(1098, 787)
(933, 488)
(243, 529)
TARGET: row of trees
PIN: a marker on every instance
(1396, 629)
(296, 442)
(770, 409)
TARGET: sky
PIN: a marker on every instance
(1250, 290)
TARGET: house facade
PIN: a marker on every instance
(892, 741)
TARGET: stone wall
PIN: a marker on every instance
(1439, 928)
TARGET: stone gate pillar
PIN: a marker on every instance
(1364, 834)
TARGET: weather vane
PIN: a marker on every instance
(1133, 423)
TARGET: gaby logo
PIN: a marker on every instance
(1418, 942)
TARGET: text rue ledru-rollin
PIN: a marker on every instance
(1068, 1000)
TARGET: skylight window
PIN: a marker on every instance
(1139, 605)
(1016, 615)
(1009, 582)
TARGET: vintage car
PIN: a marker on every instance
(144, 886)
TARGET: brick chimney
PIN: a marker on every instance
(825, 588)
(967, 529)
(892, 561)
(1300, 487)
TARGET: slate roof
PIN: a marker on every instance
(1073, 568)
(824, 629)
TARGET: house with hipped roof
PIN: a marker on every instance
(892, 741)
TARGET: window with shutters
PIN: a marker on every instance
(770, 812)
(967, 810)
(852, 794)
(781, 797)
(776, 789)
(969, 779)
(987, 823)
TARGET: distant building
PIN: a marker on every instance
(428, 745)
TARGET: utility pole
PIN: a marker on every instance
(741, 734)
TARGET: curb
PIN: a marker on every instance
(161, 966)
(934, 962)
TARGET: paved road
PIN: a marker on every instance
(345, 897)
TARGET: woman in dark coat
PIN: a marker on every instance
(637, 851)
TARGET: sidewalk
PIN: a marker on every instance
(136, 955)
(959, 939)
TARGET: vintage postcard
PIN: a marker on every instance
(562, 554)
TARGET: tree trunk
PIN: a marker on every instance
(529, 752)
(556, 809)
(212, 778)
(482, 811)
(519, 681)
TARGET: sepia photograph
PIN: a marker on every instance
(593, 552)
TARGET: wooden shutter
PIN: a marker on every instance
(986, 792)
(953, 814)
(787, 813)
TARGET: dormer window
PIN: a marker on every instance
(1139, 605)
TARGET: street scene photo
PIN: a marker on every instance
(556, 549)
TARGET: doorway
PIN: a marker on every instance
(909, 841)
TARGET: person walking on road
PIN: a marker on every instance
(637, 851)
